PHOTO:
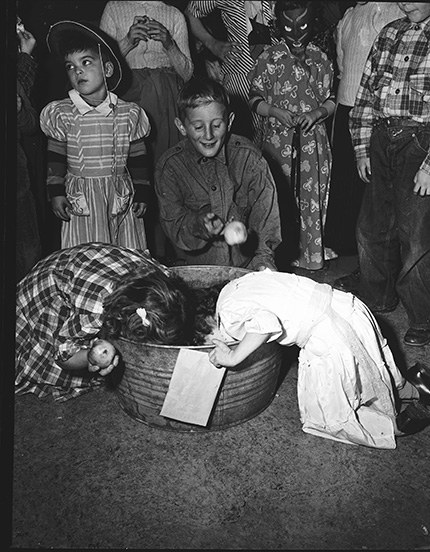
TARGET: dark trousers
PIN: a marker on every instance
(393, 229)
(346, 189)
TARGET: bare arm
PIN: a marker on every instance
(79, 361)
(225, 357)
(219, 48)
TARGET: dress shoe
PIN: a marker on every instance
(417, 338)
(413, 419)
(419, 376)
(350, 282)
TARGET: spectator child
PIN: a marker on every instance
(212, 177)
(291, 87)
(390, 128)
(97, 164)
(153, 38)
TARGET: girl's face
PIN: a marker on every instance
(415, 11)
(206, 127)
(296, 27)
(85, 72)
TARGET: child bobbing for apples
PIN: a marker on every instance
(76, 301)
(348, 383)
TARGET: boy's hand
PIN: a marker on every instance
(422, 183)
(364, 170)
(222, 356)
(213, 224)
(60, 206)
(139, 209)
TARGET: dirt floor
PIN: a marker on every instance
(86, 475)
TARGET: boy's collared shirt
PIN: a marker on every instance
(235, 183)
(395, 82)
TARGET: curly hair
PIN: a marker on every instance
(168, 301)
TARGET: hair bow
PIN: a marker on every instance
(143, 315)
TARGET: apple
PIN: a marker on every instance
(101, 353)
(235, 233)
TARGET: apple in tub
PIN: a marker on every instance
(235, 233)
(102, 353)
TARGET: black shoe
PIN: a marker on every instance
(417, 338)
(419, 376)
(414, 418)
(350, 282)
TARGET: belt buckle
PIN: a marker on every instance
(395, 131)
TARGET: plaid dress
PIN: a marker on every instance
(58, 312)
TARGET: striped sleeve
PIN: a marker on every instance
(137, 164)
(57, 167)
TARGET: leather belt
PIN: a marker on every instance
(401, 122)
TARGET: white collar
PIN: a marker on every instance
(83, 107)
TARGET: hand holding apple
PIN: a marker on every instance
(235, 233)
(101, 356)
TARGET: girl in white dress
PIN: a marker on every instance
(347, 375)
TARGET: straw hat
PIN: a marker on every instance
(56, 33)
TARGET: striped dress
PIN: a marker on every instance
(97, 182)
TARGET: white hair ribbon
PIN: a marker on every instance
(142, 313)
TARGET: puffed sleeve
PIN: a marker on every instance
(139, 125)
(236, 322)
(54, 122)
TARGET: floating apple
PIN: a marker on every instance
(235, 233)
(101, 353)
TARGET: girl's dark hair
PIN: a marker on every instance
(201, 91)
(167, 299)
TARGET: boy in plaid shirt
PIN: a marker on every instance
(390, 128)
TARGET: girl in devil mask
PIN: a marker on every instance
(291, 86)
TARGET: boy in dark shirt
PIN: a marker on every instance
(212, 177)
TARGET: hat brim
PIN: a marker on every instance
(54, 37)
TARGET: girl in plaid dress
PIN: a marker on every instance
(97, 163)
(90, 291)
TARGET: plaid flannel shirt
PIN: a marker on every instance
(395, 82)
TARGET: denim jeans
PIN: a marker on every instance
(393, 228)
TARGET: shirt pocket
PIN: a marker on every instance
(419, 100)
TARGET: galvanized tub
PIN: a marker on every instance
(244, 393)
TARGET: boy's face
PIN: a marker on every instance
(206, 127)
(415, 11)
(85, 72)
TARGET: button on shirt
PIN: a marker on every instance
(395, 82)
(236, 183)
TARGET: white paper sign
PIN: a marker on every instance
(193, 388)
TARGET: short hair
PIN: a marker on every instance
(200, 91)
(76, 41)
